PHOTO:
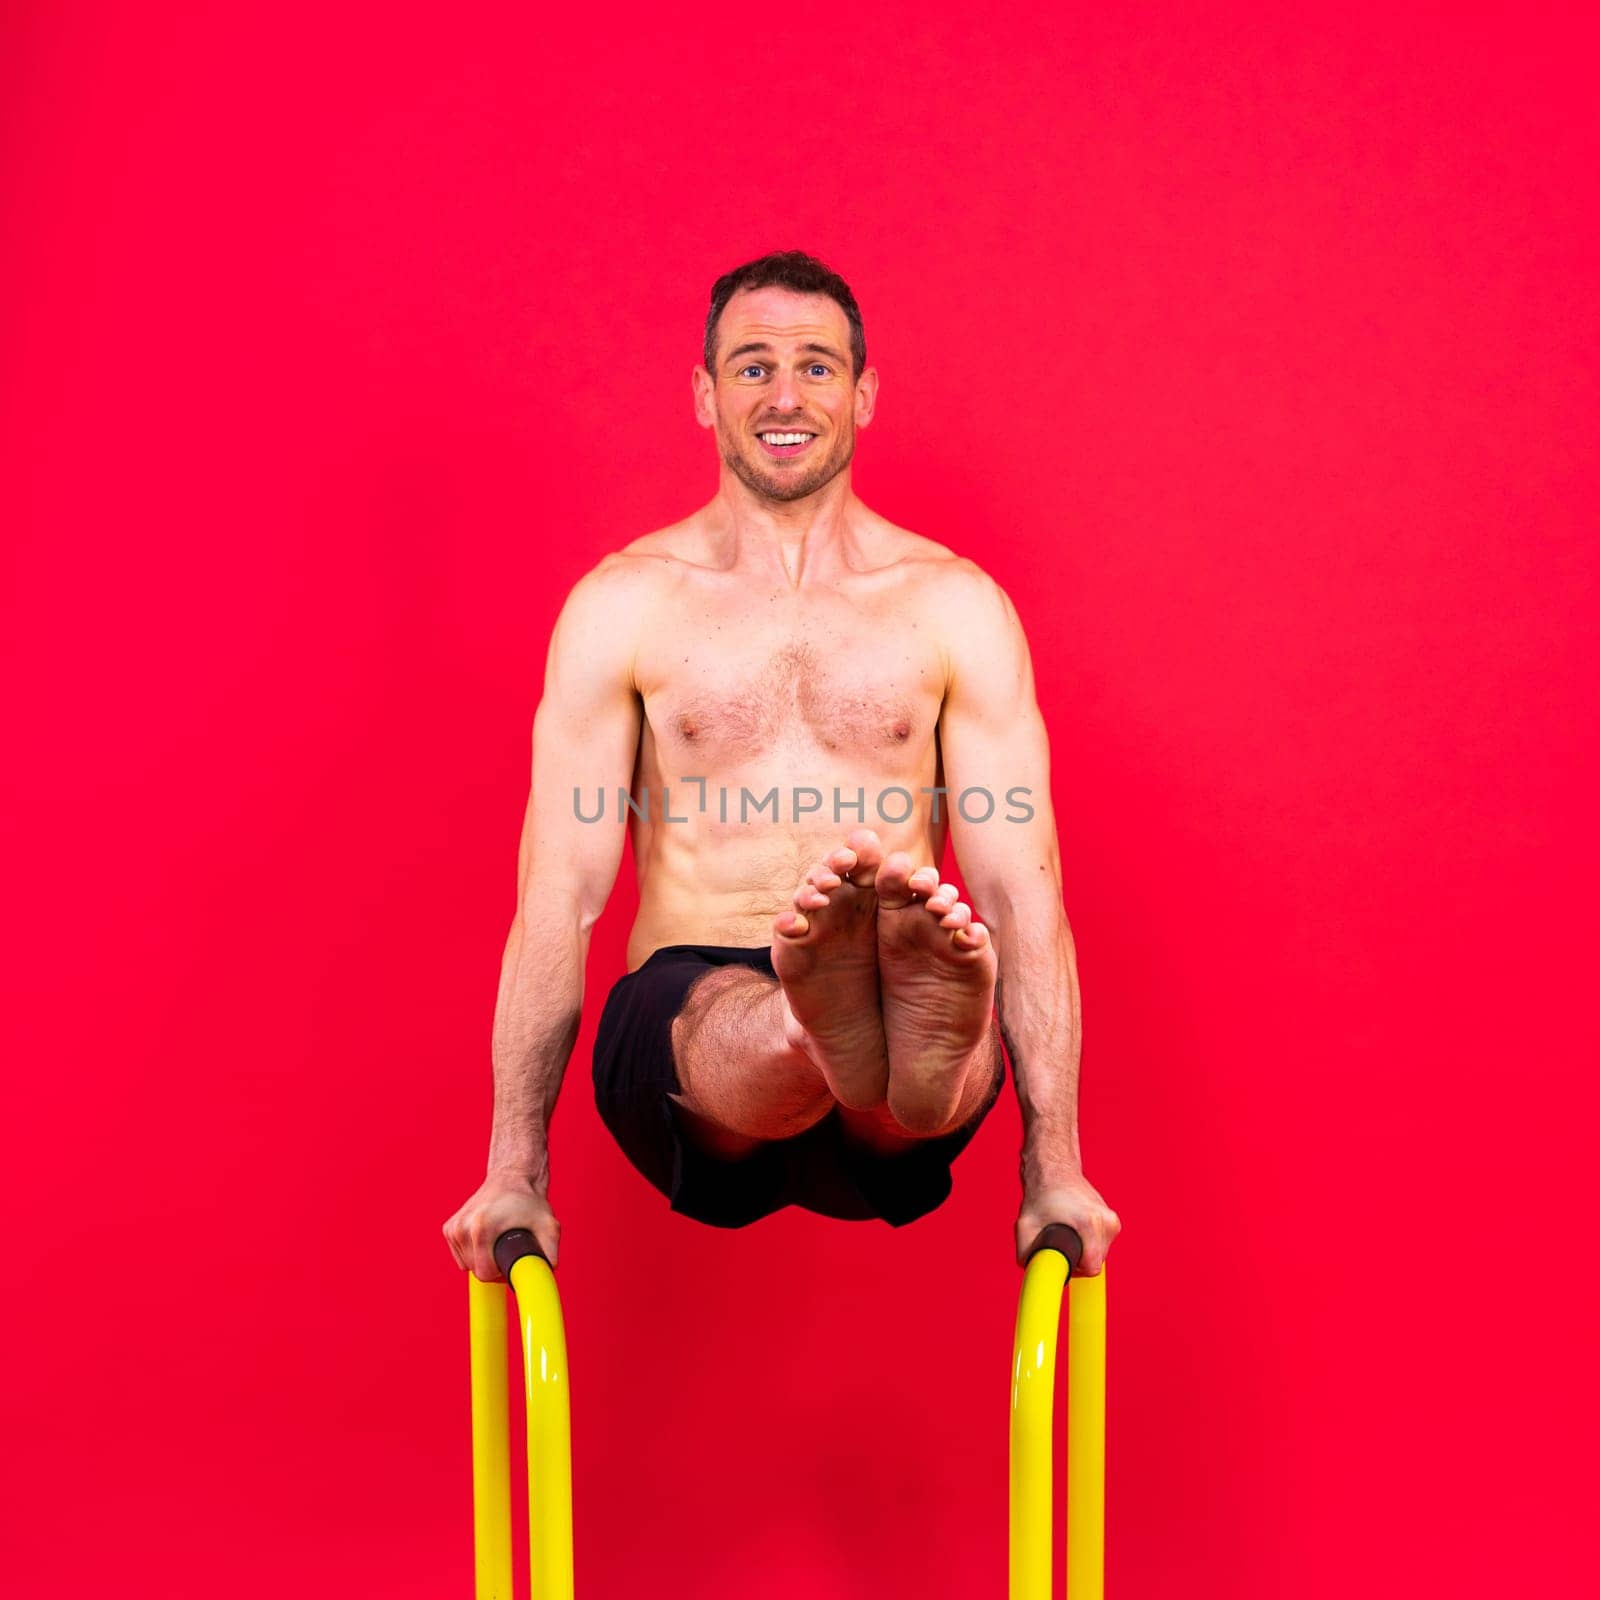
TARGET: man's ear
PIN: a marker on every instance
(705, 397)
(866, 396)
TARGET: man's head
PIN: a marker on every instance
(785, 382)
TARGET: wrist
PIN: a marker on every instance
(532, 1170)
(1050, 1172)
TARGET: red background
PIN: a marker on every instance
(1254, 356)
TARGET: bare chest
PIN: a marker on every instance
(844, 684)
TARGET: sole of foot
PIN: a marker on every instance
(825, 953)
(936, 977)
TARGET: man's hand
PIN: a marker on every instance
(504, 1200)
(1076, 1202)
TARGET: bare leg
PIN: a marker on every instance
(743, 1081)
(761, 1060)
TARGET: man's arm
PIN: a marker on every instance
(993, 738)
(585, 737)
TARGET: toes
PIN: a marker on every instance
(945, 896)
(867, 848)
(808, 897)
(973, 937)
(824, 877)
(958, 916)
(858, 861)
(894, 878)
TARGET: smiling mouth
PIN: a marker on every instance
(781, 444)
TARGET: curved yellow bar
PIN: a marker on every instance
(1033, 1378)
(544, 1366)
(545, 1388)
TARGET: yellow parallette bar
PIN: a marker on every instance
(545, 1391)
(1032, 1461)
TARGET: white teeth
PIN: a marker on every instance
(785, 438)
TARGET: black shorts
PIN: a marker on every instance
(818, 1170)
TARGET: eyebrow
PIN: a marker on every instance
(763, 348)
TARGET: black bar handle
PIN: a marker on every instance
(512, 1246)
(1057, 1236)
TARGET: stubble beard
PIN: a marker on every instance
(785, 486)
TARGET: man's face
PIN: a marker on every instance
(783, 401)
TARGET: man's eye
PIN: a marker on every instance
(817, 366)
(744, 372)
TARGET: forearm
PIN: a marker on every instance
(536, 1020)
(1038, 1000)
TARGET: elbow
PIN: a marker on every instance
(553, 907)
(1005, 910)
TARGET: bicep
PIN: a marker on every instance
(996, 753)
(585, 739)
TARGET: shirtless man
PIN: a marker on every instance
(787, 700)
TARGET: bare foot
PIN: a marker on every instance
(936, 972)
(825, 953)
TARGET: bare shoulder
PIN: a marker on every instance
(615, 591)
(623, 585)
(961, 589)
(886, 544)
(978, 598)
(605, 614)
(679, 544)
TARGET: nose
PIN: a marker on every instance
(785, 391)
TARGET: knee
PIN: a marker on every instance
(705, 993)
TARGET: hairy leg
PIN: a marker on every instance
(743, 1082)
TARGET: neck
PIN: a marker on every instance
(791, 538)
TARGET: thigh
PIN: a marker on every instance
(711, 1136)
(635, 1075)
(690, 1109)
(736, 1072)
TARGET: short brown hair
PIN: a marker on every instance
(796, 271)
